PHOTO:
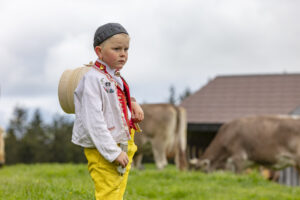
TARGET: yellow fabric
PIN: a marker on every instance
(109, 184)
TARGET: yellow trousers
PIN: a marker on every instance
(109, 184)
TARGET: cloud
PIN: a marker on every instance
(69, 53)
(180, 43)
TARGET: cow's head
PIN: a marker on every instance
(203, 165)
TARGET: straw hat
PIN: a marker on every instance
(67, 84)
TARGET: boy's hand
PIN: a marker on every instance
(137, 111)
(122, 159)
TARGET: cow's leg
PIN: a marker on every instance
(230, 165)
(159, 152)
(140, 140)
(297, 158)
(298, 164)
(181, 139)
(137, 162)
(177, 158)
(275, 175)
(180, 159)
(237, 163)
(297, 161)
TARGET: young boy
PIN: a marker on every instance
(105, 114)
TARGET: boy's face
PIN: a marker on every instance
(114, 51)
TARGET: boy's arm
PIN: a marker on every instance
(137, 111)
(93, 119)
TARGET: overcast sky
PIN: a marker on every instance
(175, 42)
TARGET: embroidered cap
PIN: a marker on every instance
(106, 31)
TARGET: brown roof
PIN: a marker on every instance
(228, 97)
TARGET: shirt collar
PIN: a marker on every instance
(112, 73)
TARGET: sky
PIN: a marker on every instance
(173, 43)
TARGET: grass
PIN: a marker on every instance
(72, 182)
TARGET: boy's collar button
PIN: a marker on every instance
(117, 73)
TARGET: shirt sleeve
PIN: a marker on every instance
(93, 119)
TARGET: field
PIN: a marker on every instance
(72, 182)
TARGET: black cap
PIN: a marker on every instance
(106, 31)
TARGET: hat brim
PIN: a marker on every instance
(67, 84)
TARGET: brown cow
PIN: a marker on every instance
(164, 127)
(2, 155)
(270, 141)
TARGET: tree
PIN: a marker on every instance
(33, 146)
(16, 130)
(186, 93)
(172, 98)
(34, 141)
(62, 150)
(17, 125)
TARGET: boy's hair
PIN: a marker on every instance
(106, 31)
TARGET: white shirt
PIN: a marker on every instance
(116, 78)
(99, 120)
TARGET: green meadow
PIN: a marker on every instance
(72, 182)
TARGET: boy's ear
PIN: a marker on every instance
(98, 51)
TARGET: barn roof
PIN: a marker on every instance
(227, 97)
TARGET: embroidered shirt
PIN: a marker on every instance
(117, 79)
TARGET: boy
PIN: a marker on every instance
(105, 114)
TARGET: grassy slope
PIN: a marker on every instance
(65, 182)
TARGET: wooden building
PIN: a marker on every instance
(228, 97)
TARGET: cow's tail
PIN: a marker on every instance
(181, 138)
